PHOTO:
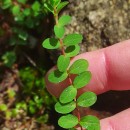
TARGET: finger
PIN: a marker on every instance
(110, 68)
(120, 121)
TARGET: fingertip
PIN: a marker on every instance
(97, 66)
(119, 121)
(105, 125)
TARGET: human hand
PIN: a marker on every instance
(110, 68)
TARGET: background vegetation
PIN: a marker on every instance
(23, 64)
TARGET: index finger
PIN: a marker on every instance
(110, 68)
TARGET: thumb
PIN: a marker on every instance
(120, 121)
(110, 69)
(96, 67)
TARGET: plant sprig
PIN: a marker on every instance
(69, 47)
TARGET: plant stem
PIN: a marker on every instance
(62, 48)
(77, 109)
(70, 80)
(60, 40)
(56, 16)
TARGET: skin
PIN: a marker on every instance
(110, 68)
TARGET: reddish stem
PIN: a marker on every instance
(63, 53)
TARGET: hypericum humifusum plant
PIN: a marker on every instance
(68, 100)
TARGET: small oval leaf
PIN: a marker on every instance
(68, 94)
(36, 6)
(65, 108)
(64, 20)
(87, 99)
(90, 122)
(62, 5)
(63, 63)
(51, 43)
(3, 107)
(78, 66)
(49, 7)
(72, 50)
(72, 39)
(16, 10)
(68, 121)
(55, 3)
(56, 76)
(59, 31)
(82, 79)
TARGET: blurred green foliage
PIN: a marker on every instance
(34, 99)
(34, 85)
(22, 19)
(34, 89)
(9, 58)
(21, 23)
(26, 12)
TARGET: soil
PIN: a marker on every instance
(102, 23)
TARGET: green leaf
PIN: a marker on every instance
(72, 50)
(21, 105)
(72, 129)
(65, 108)
(27, 12)
(78, 66)
(36, 6)
(52, 2)
(63, 63)
(3, 107)
(82, 79)
(19, 17)
(32, 109)
(8, 115)
(22, 1)
(68, 94)
(31, 103)
(64, 20)
(61, 6)
(68, 121)
(90, 123)
(37, 99)
(9, 58)
(23, 35)
(11, 93)
(59, 31)
(14, 112)
(43, 118)
(51, 43)
(49, 8)
(72, 39)
(87, 99)
(55, 3)
(6, 4)
(56, 76)
(16, 10)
